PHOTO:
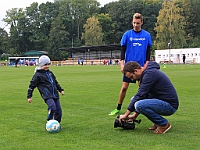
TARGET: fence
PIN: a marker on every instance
(86, 62)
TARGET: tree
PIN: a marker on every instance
(92, 32)
(191, 14)
(16, 18)
(121, 13)
(79, 11)
(150, 12)
(108, 27)
(170, 27)
(35, 34)
(196, 18)
(195, 42)
(4, 41)
(39, 22)
(58, 36)
(35, 27)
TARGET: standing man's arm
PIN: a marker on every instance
(123, 50)
(148, 55)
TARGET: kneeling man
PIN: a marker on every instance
(156, 96)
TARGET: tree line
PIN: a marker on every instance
(73, 23)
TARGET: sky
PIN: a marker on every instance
(9, 4)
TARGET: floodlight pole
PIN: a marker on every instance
(169, 47)
(73, 40)
(89, 54)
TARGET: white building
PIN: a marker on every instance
(176, 55)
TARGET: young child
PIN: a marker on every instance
(48, 87)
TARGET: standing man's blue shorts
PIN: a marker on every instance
(126, 79)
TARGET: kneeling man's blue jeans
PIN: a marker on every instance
(153, 109)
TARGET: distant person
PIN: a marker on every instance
(156, 96)
(82, 61)
(117, 62)
(48, 87)
(105, 62)
(184, 57)
(136, 46)
(16, 62)
(110, 62)
(26, 63)
(92, 62)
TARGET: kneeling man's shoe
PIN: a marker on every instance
(162, 129)
(154, 127)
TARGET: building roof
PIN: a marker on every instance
(35, 53)
(83, 49)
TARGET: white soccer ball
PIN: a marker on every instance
(52, 126)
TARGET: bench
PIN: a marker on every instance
(168, 62)
(3, 64)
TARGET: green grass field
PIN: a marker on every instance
(91, 92)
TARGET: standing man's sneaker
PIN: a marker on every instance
(114, 112)
(162, 129)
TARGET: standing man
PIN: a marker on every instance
(156, 96)
(135, 46)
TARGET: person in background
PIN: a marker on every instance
(82, 61)
(184, 57)
(16, 62)
(136, 46)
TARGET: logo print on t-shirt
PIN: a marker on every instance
(137, 39)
